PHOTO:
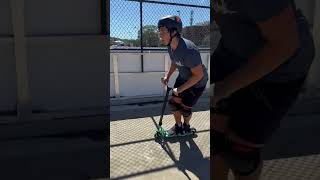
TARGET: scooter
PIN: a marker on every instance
(161, 132)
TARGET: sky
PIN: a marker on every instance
(125, 15)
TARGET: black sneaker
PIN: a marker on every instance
(175, 130)
(186, 128)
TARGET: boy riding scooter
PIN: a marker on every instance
(192, 78)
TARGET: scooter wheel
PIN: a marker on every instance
(193, 130)
(157, 135)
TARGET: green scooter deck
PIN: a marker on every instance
(164, 134)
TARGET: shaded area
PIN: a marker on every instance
(293, 151)
(53, 158)
(298, 136)
(298, 133)
(190, 156)
(151, 109)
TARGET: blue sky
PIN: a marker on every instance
(125, 15)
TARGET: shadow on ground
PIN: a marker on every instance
(298, 133)
(190, 160)
(151, 109)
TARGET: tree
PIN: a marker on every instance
(132, 42)
(150, 36)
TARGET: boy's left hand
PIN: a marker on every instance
(176, 91)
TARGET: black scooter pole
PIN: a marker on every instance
(164, 104)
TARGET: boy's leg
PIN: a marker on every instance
(218, 126)
(219, 167)
(186, 112)
(175, 104)
(244, 159)
(253, 176)
(266, 104)
(232, 152)
(256, 172)
(189, 99)
(186, 120)
(177, 117)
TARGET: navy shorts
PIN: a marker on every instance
(256, 111)
(190, 96)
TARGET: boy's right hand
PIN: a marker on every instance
(165, 80)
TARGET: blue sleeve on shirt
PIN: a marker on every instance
(261, 10)
(192, 59)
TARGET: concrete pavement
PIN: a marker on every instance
(292, 153)
(136, 155)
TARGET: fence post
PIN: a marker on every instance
(116, 75)
(208, 83)
(24, 109)
(141, 35)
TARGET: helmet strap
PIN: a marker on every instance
(171, 37)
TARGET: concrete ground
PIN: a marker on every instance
(293, 152)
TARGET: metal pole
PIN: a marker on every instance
(316, 35)
(24, 109)
(141, 36)
(104, 18)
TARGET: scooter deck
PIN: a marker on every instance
(164, 134)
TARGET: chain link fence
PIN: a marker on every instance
(128, 17)
(215, 35)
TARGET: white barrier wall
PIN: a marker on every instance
(66, 56)
(67, 72)
(127, 80)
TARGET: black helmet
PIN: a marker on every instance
(171, 22)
